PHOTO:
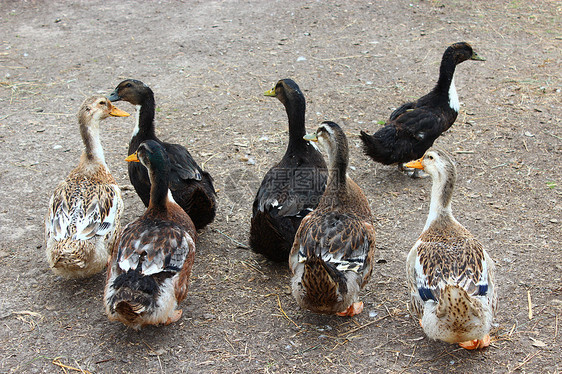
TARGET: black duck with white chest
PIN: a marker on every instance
(332, 255)
(414, 126)
(192, 188)
(292, 188)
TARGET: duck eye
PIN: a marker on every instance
(430, 157)
(128, 85)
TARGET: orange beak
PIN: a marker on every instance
(116, 112)
(132, 158)
(417, 164)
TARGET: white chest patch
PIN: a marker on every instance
(453, 97)
(137, 119)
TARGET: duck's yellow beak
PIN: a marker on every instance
(415, 164)
(116, 112)
(311, 137)
(132, 158)
(270, 92)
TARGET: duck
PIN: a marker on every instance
(192, 187)
(85, 209)
(148, 273)
(450, 275)
(413, 127)
(290, 189)
(332, 256)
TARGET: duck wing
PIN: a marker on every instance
(81, 209)
(154, 246)
(421, 124)
(183, 166)
(340, 239)
(400, 110)
(290, 192)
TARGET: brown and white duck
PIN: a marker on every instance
(292, 188)
(332, 255)
(450, 275)
(148, 273)
(414, 126)
(192, 188)
(85, 209)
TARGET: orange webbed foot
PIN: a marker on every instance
(176, 315)
(476, 343)
(353, 309)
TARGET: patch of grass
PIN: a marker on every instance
(551, 185)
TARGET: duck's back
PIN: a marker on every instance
(289, 191)
(192, 188)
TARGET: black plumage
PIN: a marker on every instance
(414, 126)
(192, 188)
(292, 188)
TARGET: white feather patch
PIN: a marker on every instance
(453, 97)
(137, 121)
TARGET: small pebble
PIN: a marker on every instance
(373, 314)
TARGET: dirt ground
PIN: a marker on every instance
(209, 63)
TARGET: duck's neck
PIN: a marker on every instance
(446, 83)
(160, 194)
(296, 113)
(93, 151)
(441, 196)
(144, 125)
(336, 187)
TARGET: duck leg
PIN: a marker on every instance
(476, 343)
(353, 309)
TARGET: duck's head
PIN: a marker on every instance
(437, 163)
(286, 90)
(462, 51)
(131, 90)
(98, 108)
(152, 155)
(332, 140)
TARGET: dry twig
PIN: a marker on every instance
(57, 362)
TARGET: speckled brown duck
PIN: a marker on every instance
(450, 275)
(332, 255)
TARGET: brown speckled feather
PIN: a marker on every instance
(459, 250)
(157, 243)
(82, 206)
